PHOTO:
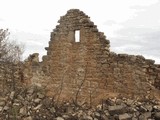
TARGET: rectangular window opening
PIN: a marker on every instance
(77, 36)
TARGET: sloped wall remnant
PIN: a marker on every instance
(75, 66)
(87, 71)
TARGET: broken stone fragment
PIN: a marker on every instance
(125, 116)
(147, 115)
(129, 102)
(118, 109)
(12, 95)
(1, 108)
(23, 111)
(2, 103)
(30, 90)
(88, 117)
(97, 114)
(94, 30)
(46, 102)
(149, 107)
(40, 95)
(157, 116)
(142, 109)
(106, 113)
(66, 117)
(37, 107)
(16, 104)
(85, 20)
(95, 119)
(52, 110)
(37, 100)
(157, 108)
(59, 118)
(28, 118)
(6, 108)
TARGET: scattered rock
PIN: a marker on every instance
(1, 108)
(6, 108)
(34, 105)
(23, 111)
(28, 118)
(147, 115)
(59, 118)
(37, 107)
(118, 109)
(52, 110)
(37, 100)
(125, 116)
(12, 95)
(30, 90)
(157, 116)
(149, 107)
(2, 103)
(40, 95)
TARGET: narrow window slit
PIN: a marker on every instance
(77, 36)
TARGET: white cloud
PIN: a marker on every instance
(143, 30)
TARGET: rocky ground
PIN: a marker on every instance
(32, 104)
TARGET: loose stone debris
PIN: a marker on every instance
(26, 105)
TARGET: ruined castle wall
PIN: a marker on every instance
(131, 74)
(72, 65)
(101, 75)
(88, 68)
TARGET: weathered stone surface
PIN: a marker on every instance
(82, 67)
(84, 71)
(59, 118)
(2, 103)
(84, 74)
(1, 108)
(6, 108)
(12, 95)
(23, 111)
(157, 116)
(37, 100)
(52, 110)
(125, 116)
(24, 107)
(28, 118)
(116, 109)
(147, 115)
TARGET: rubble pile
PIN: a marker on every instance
(32, 104)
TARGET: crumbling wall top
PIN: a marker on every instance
(74, 20)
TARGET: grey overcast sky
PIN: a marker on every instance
(132, 26)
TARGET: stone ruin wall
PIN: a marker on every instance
(88, 70)
(73, 66)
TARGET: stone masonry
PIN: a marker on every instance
(75, 67)
(87, 71)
